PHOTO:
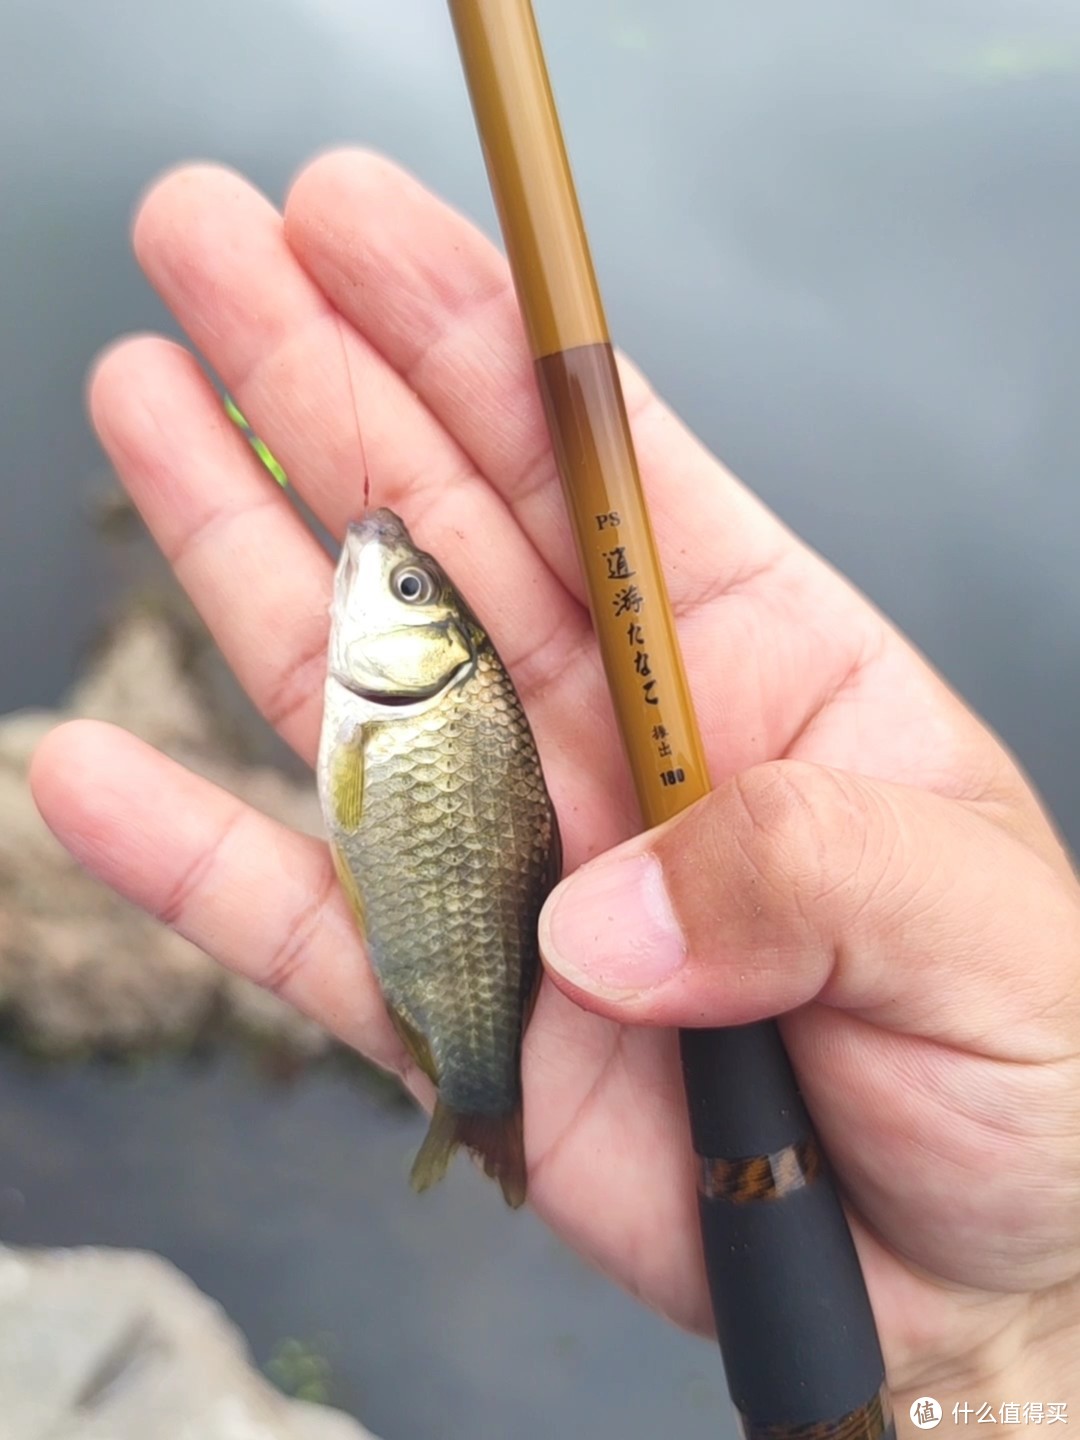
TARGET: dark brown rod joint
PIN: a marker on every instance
(873, 1421)
(762, 1177)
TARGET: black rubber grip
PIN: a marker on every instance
(794, 1322)
(743, 1096)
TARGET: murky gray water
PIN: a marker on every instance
(841, 237)
(441, 1317)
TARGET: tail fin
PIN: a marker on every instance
(495, 1140)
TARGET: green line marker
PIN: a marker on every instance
(261, 450)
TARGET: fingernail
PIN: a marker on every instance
(610, 928)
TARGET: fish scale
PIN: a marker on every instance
(449, 855)
(447, 929)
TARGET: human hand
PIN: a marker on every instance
(870, 861)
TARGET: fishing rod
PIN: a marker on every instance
(793, 1319)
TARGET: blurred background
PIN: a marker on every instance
(841, 238)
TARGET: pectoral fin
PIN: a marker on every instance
(347, 782)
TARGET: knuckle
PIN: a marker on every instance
(183, 894)
(300, 685)
(775, 810)
(295, 949)
(801, 827)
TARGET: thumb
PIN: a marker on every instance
(793, 883)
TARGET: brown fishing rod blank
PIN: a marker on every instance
(794, 1322)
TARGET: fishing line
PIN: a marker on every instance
(351, 387)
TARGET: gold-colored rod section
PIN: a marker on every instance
(575, 366)
(530, 174)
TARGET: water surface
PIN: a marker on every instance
(841, 238)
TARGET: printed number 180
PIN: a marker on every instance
(672, 777)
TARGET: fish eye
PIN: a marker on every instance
(413, 584)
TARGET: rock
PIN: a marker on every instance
(80, 970)
(28, 853)
(138, 680)
(118, 1345)
(89, 982)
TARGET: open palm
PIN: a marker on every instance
(371, 289)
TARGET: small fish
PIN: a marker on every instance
(443, 835)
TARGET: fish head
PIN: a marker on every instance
(399, 631)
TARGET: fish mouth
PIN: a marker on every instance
(381, 524)
(398, 699)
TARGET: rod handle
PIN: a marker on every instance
(793, 1318)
